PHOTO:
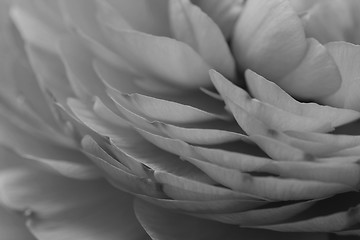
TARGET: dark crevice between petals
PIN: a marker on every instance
(337, 203)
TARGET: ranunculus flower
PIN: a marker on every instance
(178, 119)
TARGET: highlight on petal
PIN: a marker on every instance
(192, 26)
(160, 58)
(346, 56)
(239, 102)
(316, 76)
(224, 13)
(163, 110)
(34, 30)
(269, 92)
(269, 38)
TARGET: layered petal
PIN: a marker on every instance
(57, 207)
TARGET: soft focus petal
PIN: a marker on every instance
(145, 16)
(34, 29)
(60, 208)
(224, 13)
(12, 226)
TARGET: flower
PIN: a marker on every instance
(113, 123)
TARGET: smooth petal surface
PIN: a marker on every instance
(239, 101)
(12, 226)
(269, 38)
(194, 27)
(224, 13)
(271, 93)
(149, 17)
(34, 30)
(346, 56)
(316, 76)
(160, 58)
(329, 223)
(269, 187)
(163, 110)
(60, 208)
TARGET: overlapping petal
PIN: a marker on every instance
(130, 98)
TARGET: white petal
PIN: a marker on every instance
(269, 38)
(160, 58)
(59, 208)
(346, 56)
(269, 92)
(192, 26)
(316, 76)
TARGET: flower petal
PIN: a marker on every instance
(316, 76)
(50, 73)
(192, 26)
(30, 90)
(200, 136)
(42, 148)
(269, 187)
(58, 208)
(119, 175)
(12, 227)
(329, 223)
(239, 101)
(209, 206)
(271, 93)
(346, 55)
(263, 216)
(165, 225)
(163, 110)
(224, 13)
(149, 17)
(269, 38)
(329, 21)
(34, 30)
(78, 63)
(160, 58)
